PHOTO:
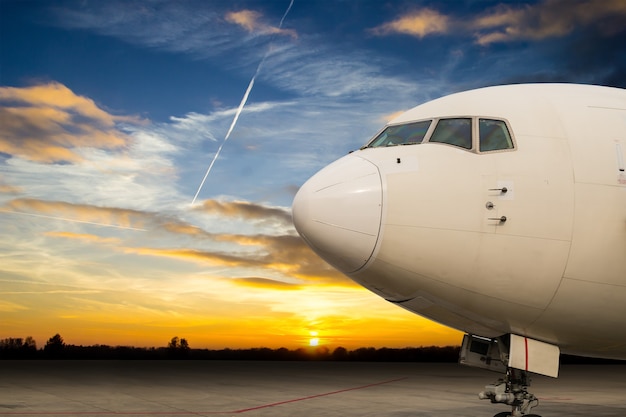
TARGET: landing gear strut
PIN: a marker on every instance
(513, 391)
(516, 357)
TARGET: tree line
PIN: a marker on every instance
(178, 348)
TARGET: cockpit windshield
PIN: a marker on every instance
(405, 134)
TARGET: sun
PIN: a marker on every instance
(314, 340)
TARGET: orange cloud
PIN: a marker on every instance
(219, 259)
(507, 23)
(250, 21)
(550, 18)
(105, 216)
(246, 210)
(417, 23)
(265, 283)
(286, 254)
(47, 123)
(84, 237)
(80, 213)
(182, 228)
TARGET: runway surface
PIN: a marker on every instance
(307, 389)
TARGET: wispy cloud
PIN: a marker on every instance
(547, 19)
(9, 189)
(9, 307)
(265, 283)
(47, 123)
(173, 26)
(211, 258)
(330, 87)
(281, 254)
(246, 210)
(82, 213)
(288, 256)
(84, 237)
(313, 65)
(513, 22)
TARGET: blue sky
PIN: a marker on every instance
(111, 111)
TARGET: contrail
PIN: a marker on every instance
(74, 221)
(239, 109)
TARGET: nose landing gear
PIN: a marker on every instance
(513, 391)
(516, 357)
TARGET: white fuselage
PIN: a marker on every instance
(529, 240)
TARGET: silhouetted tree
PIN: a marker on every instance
(340, 354)
(178, 348)
(29, 348)
(11, 343)
(184, 345)
(364, 354)
(11, 348)
(29, 343)
(55, 346)
(16, 347)
(173, 344)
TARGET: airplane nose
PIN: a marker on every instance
(338, 212)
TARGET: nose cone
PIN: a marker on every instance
(338, 212)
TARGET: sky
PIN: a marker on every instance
(112, 111)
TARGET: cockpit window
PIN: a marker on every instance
(494, 135)
(457, 132)
(475, 134)
(405, 134)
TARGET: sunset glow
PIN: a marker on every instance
(111, 111)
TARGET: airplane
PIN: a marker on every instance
(500, 212)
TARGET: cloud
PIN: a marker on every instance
(85, 153)
(265, 283)
(47, 124)
(125, 218)
(9, 307)
(548, 19)
(211, 258)
(418, 23)
(284, 255)
(9, 189)
(85, 237)
(313, 129)
(245, 210)
(313, 66)
(183, 228)
(122, 218)
(250, 21)
(174, 26)
(508, 23)
(80, 213)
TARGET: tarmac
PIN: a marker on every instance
(304, 389)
